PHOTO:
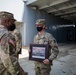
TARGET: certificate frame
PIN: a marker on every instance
(38, 52)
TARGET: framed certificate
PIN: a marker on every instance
(38, 52)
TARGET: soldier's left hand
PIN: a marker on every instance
(46, 61)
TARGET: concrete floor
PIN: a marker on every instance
(65, 64)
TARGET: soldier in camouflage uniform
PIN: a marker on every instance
(8, 60)
(44, 68)
(18, 39)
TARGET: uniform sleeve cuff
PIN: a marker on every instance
(50, 60)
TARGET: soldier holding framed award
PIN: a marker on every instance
(44, 50)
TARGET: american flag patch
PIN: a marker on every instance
(12, 42)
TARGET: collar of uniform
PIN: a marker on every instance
(41, 35)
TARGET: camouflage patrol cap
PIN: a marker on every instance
(40, 21)
(5, 14)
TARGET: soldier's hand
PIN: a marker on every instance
(46, 61)
(29, 50)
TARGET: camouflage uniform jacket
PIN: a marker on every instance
(47, 38)
(8, 61)
(18, 39)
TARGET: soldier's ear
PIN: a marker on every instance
(9, 22)
(6, 20)
(43, 26)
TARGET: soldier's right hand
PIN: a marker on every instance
(46, 61)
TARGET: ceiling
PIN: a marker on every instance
(63, 8)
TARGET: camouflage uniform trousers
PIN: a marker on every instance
(42, 69)
(6, 73)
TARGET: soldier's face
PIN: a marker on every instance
(39, 25)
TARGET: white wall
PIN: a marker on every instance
(17, 8)
(14, 6)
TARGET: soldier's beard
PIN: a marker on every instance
(12, 27)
